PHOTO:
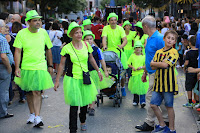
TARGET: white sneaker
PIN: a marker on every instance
(31, 119)
(182, 65)
(197, 106)
(44, 96)
(135, 104)
(38, 121)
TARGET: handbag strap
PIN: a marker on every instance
(77, 55)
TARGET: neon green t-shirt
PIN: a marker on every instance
(114, 36)
(144, 37)
(130, 38)
(82, 57)
(33, 45)
(137, 61)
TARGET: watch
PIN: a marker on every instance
(50, 66)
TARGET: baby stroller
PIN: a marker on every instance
(111, 57)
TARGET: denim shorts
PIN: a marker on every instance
(157, 98)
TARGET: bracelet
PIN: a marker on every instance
(50, 66)
(99, 71)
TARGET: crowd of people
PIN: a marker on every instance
(150, 51)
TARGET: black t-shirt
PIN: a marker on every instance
(192, 56)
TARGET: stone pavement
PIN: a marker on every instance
(107, 119)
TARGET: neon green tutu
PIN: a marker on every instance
(34, 80)
(128, 53)
(78, 94)
(105, 83)
(136, 86)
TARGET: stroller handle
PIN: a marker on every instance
(113, 76)
(120, 52)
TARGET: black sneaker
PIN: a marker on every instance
(143, 105)
(91, 112)
(144, 127)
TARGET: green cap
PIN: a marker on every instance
(86, 22)
(71, 27)
(138, 44)
(126, 23)
(139, 24)
(88, 33)
(32, 14)
(112, 15)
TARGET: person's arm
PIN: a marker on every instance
(145, 43)
(50, 61)
(179, 48)
(6, 62)
(17, 59)
(156, 65)
(185, 65)
(103, 63)
(193, 70)
(104, 43)
(60, 71)
(94, 65)
(139, 68)
(133, 68)
(123, 43)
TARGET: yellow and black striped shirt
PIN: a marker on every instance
(165, 79)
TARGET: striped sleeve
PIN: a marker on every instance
(172, 58)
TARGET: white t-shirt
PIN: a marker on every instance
(55, 37)
(163, 30)
(187, 27)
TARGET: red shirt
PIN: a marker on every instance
(98, 13)
(95, 31)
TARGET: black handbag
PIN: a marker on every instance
(86, 75)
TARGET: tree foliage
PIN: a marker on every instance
(65, 6)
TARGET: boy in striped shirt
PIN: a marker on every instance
(165, 82)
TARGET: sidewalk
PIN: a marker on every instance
(107, 119)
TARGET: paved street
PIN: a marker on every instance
(107, 119)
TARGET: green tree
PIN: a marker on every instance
(64, 6)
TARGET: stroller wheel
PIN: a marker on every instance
(121, 99)
(118, 102)
(97, 101)
(101, 98)
(114, 102)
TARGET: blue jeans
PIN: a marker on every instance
(5, 78)
(139, 98)
(21, 93)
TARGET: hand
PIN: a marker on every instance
(50, 70)
(9, 69)
(17, 73)
(191, 70)
(100, 76)
(144, 77)
(105, 48)
(100, 30)
(139, 68)
(133, 68)
(120, 46)
(151, 64)
(106, 73)
(56, 85)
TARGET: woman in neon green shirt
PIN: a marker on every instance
(140, 36)
(128, 49)
(77, 54)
